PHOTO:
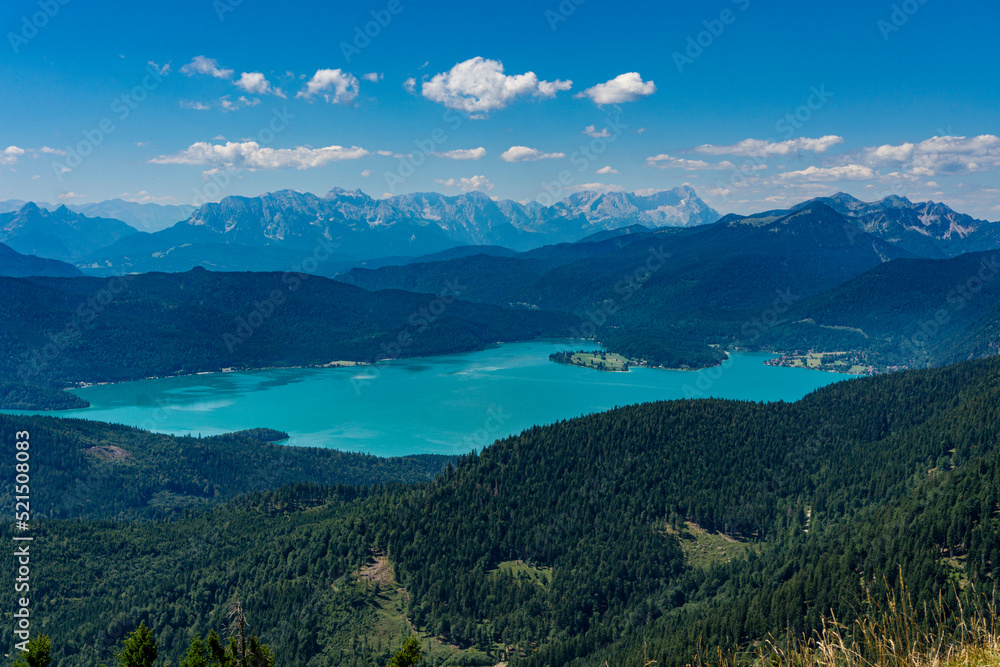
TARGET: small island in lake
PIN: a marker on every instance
(598, 360)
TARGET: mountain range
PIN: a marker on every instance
(146, 217)
(928, 229)
(361, 228)
(279, 231)
(59, 234)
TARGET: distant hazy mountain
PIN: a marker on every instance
(679, 207)
(144, 217)
(928, 229)
(15, 265)
(59, 234)
(359, 227)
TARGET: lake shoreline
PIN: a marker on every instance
(448, 404)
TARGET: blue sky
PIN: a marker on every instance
(755, 104)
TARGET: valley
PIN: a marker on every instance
(447, 404)
(560, 334)
(426, 444)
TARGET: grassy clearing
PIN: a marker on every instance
(542, 576)
(386, 627)
(702, 548)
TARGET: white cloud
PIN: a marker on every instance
(591, 131)
(226, 104)
(410, 85)
(935, 156)
(250, 155)
(367, 172)
(595, 187)
(69, 195)
(479, 86)
(190, 104)
(255, 84)
(374, 77)
(607, 170)
(51, 151)
(480, 183)
(203, 65)
(525, 154)
(765, 148)
(463, 154)
(626, 87)
(848, 172)
(10, 155)
(664, 161)
(336, 86)
(162, 70)
(143, 197)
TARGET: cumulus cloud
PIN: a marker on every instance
(525, 154)
(935, 156)
(367, 172)
(209, 66)
(626, 87)
(10, 155)
(69, 195)
(847, 172)
(480, 183)
(410, 85)
(255, 84)
(765, 148)
(479, 86)
(374, 77)
(335, 85)
(607, 170)
(191, 104)
(591, 131)
(463, 154)
(250, 155)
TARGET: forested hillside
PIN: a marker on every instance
(907, 312)
(585, 539)
(130, 327)
(86, 469)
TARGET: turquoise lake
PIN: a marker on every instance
(435, 405)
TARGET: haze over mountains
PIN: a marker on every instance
(277, 231)
(273, 231)
(146, 217)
